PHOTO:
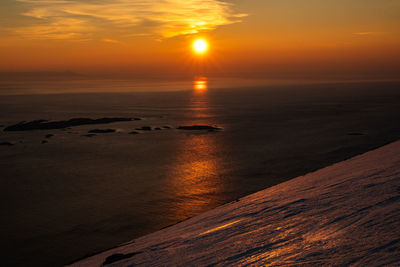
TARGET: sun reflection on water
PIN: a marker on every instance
(200, 84)
(194, 178)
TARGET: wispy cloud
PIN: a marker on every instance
(73, 19)
(367, 33)
(111, 41)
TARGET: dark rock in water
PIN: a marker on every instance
(355, 134)
(46, 125)
(102, 131)
(199, 128)
(157, 129)
(44, 142)
(166, 127)
(144, 128)
(118, 257)
(48, 136)
(134, 132)
(6, 144)
(89, 135)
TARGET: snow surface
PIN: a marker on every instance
(345, 214)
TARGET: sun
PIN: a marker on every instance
(200, 46)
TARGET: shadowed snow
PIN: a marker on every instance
(344, 214)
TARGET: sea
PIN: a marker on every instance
(67, 194)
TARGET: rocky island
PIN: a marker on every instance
(50, 125)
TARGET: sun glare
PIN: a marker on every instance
(200, 46)
(200, 84)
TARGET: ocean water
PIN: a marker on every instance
(75, 196)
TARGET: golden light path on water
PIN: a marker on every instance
(200, 84)
(194, 178)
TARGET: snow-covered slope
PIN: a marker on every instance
(348, 213)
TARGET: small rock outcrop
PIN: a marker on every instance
(6, 144)
(199, 128)
(144, 128)
(118, 257)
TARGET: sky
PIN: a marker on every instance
(250, 38)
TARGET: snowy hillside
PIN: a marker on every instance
(348, 213)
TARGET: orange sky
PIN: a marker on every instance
(271, 38)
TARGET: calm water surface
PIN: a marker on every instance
(76, 195)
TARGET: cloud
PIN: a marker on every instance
(368, 33)
(74, 19)
(111, 41)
